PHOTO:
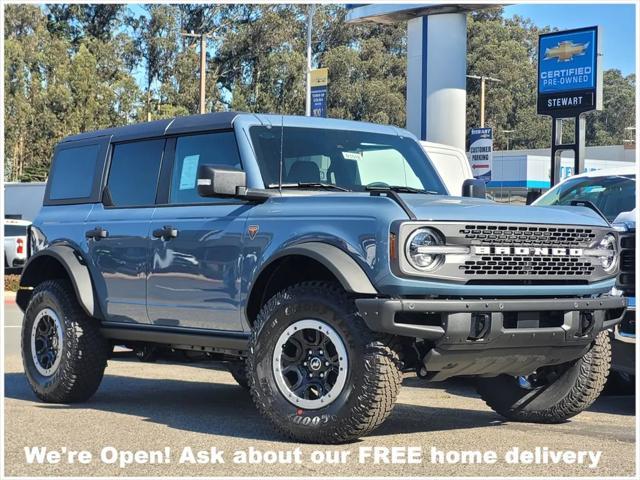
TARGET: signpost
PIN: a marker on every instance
(481, 152)
(569, 84)
(319, 81)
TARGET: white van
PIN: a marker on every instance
(451, 163)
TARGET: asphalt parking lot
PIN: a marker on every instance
(146, 407)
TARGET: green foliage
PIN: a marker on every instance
(76, 67)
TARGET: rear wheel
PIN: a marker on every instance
(551, 394)
(315, 369)
(63, 352)
(238, 371)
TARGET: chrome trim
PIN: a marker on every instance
(444, 250)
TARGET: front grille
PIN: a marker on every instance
(513, 253)
(536, 266)
(627, 278)
(628, 261)
(527, 235)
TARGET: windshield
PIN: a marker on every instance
(612, 195)
(343, 159)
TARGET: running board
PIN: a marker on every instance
(216, 339)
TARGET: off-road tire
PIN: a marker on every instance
(373, 373)
(572, 392)
(238, 371)
(84, 351)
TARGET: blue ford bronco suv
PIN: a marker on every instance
(320, 259)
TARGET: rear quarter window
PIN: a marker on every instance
(73, 172)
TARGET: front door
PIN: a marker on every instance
(196, 243)
(118, 230)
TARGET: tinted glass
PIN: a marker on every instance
(133, 175)
(347, 159)
(15, 230)
(73, 172)
(612, 195)
(195, 150)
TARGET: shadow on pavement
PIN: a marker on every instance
(222, 409)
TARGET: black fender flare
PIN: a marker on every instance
(76, 269)
(350, 275)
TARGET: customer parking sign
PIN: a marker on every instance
(569, 77)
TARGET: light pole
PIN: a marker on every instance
(482, 79)
(312, 11)
(507, 132)
(203, 65)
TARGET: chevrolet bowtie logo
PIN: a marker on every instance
(565, 51)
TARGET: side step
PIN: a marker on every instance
(231, 342)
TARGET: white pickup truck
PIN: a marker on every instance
(15, 244)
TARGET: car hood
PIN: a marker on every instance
(444, 208)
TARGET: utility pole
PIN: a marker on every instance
(482, 79)
(312, 11)
(506, 134)
(203, 65)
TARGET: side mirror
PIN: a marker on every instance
(472, 187)
(215, 181)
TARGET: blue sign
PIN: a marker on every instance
(569, 74)
(567, 62)
(319, 101)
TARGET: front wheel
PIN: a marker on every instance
(551, 394)
(315, 369)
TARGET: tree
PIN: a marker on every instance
(60, 81)
(76, 67)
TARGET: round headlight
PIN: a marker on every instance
(610, 260)
(423, 237)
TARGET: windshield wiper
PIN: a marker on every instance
(400, 189)
(328, 186)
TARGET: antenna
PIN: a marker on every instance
(281, 151)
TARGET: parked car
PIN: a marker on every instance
(321, 259)
(15, 244)
(451, 163)
(613, 193)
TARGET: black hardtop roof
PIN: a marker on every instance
(169, 126)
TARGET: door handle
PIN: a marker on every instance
(167, 232)
(97, 233)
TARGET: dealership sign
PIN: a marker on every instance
(319, 81)
(481, 152)
(569, 72)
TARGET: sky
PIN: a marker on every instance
(617, 22)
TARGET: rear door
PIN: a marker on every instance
(117, 229)
(196, 243)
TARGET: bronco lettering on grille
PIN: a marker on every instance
(556, 251)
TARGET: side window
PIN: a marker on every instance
(195, 150)
(133, 175)
(73, 172)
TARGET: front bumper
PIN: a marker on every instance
(490, 337)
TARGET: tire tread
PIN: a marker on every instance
(382, 376)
